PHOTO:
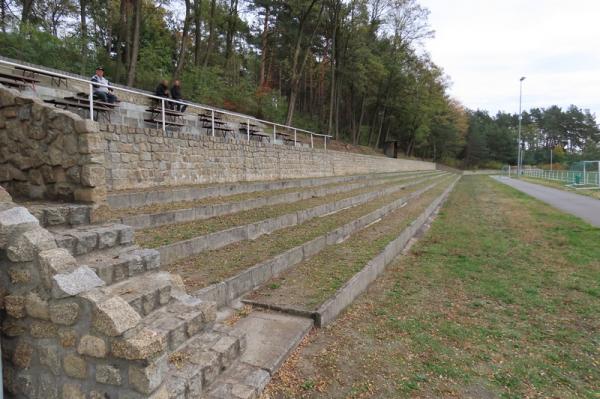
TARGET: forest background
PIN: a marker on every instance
(355, 69)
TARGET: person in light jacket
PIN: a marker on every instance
(103, 93)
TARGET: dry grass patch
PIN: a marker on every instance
(214, 266)
(158, 236)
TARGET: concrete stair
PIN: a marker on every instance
(200, 362)
(86, 239)
(60, 214)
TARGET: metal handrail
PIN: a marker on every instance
(162, 100)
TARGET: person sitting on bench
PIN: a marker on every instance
(103, 93)
(176, 95)
(162, 90)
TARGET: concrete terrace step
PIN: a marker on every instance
(119, 263)
(254, 276)
(52, 214)
(132, 199)
(201, 361)
(144, 293)
(82, 240)
(180, 320)
(271, 338)
(182, 249)
(147, 220)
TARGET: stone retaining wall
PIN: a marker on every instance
(144, 157)
(48, 153)
(62, 337)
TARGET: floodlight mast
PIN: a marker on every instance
(519, 146)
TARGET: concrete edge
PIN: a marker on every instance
(331, 308)
(118, 200)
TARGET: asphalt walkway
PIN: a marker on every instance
(586, 208)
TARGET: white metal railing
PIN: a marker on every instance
(162, 100)
(581, 178)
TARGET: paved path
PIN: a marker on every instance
(586, 208)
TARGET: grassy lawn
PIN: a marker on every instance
(562, 186)
(313, 281)
(157, 236)
(214, 266)
(500, 299)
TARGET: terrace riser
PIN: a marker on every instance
(173, 252)
(174, 194)
(208, 211)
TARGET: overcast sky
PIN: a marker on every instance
(485, 46)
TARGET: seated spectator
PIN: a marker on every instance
(162, 90)
(103, 93)
(176, 95)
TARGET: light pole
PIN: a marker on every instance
(519, 150)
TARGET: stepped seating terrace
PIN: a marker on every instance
(132, 328)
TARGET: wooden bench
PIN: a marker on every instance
(86, 97)
(172, 117)
(17, 81)
(99, 107)
(12, 83)
(208, 115)
(54, 79)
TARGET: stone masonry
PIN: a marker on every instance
(47, 152)
(71, 333)
(145, 157)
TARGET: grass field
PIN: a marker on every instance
(500, 299)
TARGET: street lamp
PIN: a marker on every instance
(519, 149)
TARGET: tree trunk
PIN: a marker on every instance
(211, 32)
(135, 42)
(3, 15)
(298, 69)
(333, 60)
(198, 31)
(231, 28)
(184, 40)
(84, 35)
(264, 45)
(121, 38)
(27, 11)
(360, 120)
(337, 109)
(380, 127)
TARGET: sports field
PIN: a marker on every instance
(500, 299)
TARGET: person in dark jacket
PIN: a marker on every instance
(162, 90)
(176, 95)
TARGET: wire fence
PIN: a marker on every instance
(577, 178)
